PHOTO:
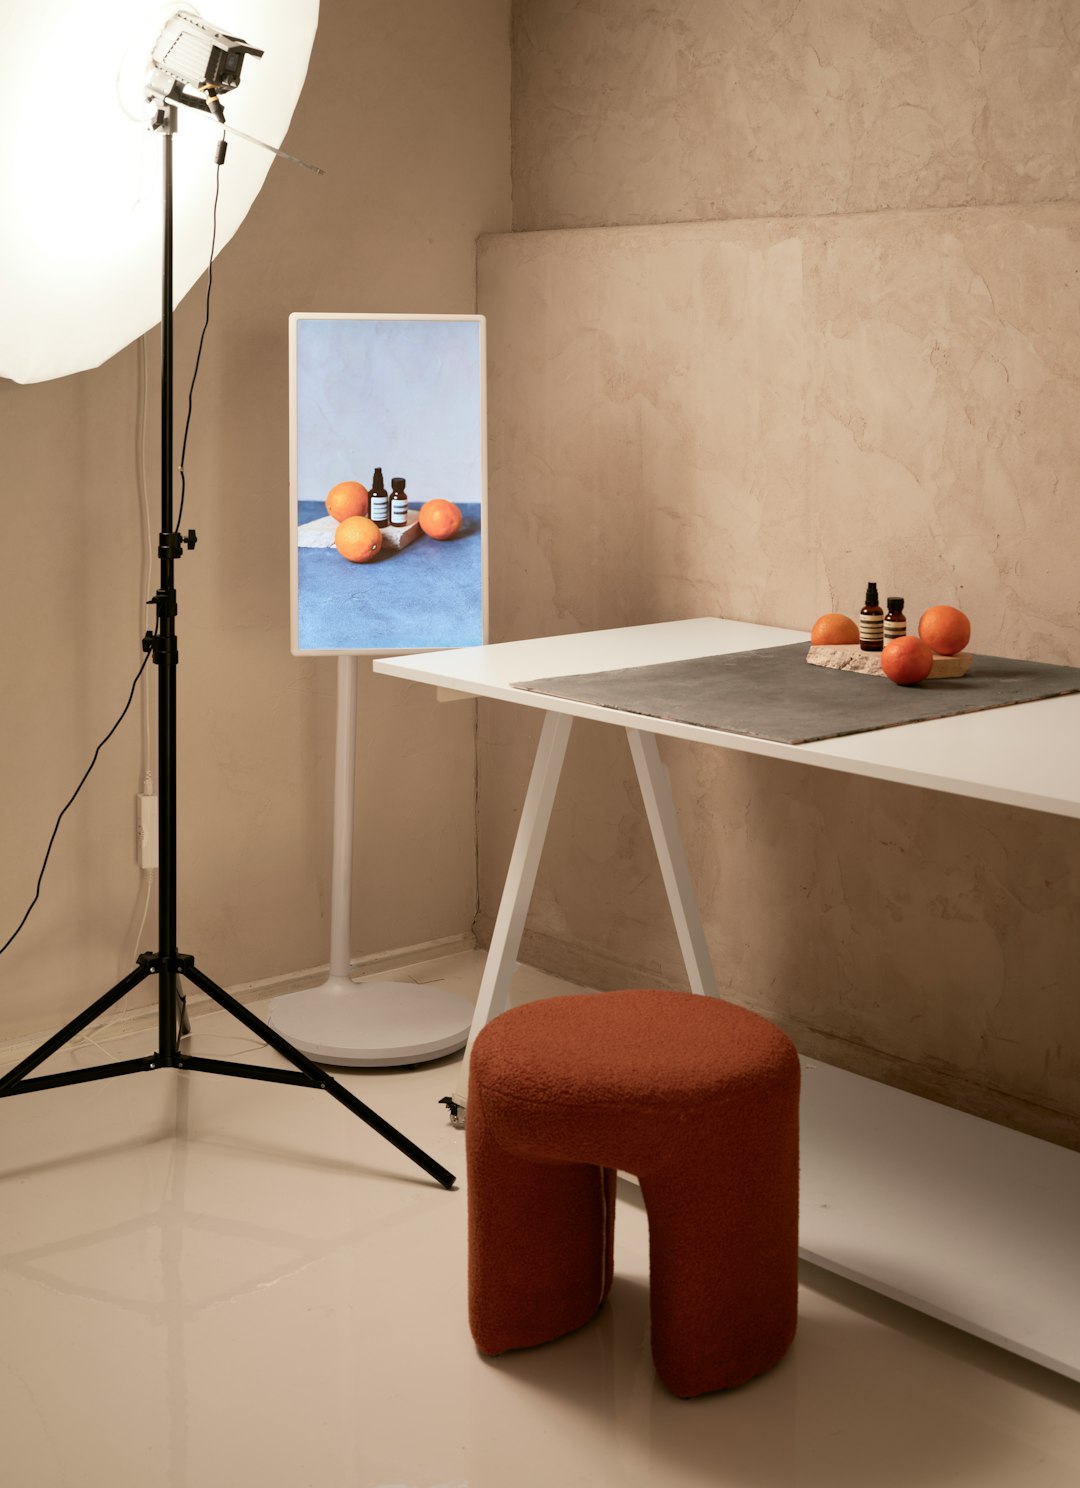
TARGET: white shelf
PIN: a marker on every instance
(960, 1218)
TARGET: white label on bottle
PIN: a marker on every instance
(870, 629)
(379, 507)
(894, 629)
(399, 510)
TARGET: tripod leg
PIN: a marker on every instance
(316, 1077)
(69, 1030)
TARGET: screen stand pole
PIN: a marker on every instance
(344, 815)
(367, 1022)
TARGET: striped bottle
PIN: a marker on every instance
(895, 619)
(871, 622)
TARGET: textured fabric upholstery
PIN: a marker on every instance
(697, 1098)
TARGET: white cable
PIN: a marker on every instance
(148, 567)
(99, 1030)
(148, 557)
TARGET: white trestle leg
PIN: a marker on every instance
(520, 881)
(660, 809)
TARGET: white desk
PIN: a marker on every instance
(964, 1219)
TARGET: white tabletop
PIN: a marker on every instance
(1026, 755)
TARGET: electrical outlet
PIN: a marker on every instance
(146, 831)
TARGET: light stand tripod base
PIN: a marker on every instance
(167, 963)
(373, 1023)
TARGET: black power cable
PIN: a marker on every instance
(146, 658)
(74, 793)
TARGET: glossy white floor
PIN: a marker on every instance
(207, 1283)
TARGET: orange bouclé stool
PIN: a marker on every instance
(696, 1097)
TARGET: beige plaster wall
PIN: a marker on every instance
(753, 418)
(416, 166)
(631, 112)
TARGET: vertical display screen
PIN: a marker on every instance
(387, 492)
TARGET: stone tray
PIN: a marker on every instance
(320, 533)
(868, 663)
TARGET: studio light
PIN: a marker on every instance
(105, 227)
(192, 62)
(80, 171)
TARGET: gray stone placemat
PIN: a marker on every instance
(775, 694)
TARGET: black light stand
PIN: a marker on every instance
(168, 964)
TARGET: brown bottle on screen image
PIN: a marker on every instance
(379, 500)
(399, 502)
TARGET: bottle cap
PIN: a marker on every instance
(871, 594)
(896, 602)
(397, 483)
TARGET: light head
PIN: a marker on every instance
(192, 62)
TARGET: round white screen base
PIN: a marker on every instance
(372, 1023)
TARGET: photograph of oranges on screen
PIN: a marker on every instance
(388, 482)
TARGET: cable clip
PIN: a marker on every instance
(161, 648)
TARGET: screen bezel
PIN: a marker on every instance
(295, 319)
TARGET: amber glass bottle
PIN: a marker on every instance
(895, 619)
(871, 622)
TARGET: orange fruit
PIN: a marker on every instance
(358, 539)
(945, 629)
(440, 519)
(347, 499)
(834, 630)
(907, 660)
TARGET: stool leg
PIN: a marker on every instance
(723, 1258)
(541, 1239)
